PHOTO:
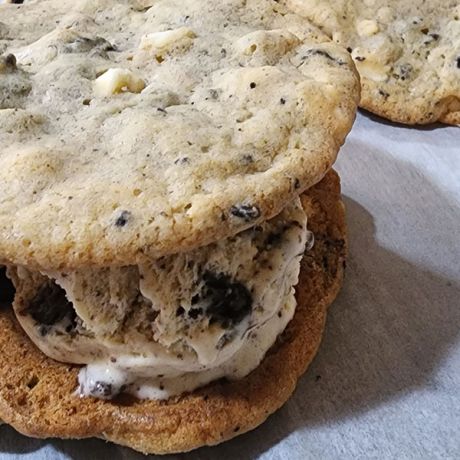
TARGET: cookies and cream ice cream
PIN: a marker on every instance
(170, 325)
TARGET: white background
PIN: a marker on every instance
(386, 382)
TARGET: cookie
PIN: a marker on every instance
(132, 130)
(37, 394)
(407, 53)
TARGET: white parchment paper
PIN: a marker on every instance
(386, 382)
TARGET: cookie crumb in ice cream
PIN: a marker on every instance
(50, 305)
(229, 301)
(247, 212)
(7, 63)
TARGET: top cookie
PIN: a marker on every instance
(407, 53)
(143, 128)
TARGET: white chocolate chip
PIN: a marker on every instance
(116, 81)
(166, 39)
(369, 65)
(373, 70)
(367, 28)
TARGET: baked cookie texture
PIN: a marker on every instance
(138, 129)
(407, 53)
(37, 394)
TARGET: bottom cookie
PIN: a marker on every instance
(37, 394)
(452, 118)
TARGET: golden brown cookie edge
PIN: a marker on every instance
(399, 113)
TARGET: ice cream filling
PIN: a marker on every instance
(169, 325)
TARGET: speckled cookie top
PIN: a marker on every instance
(407, 53)
(140, 128)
